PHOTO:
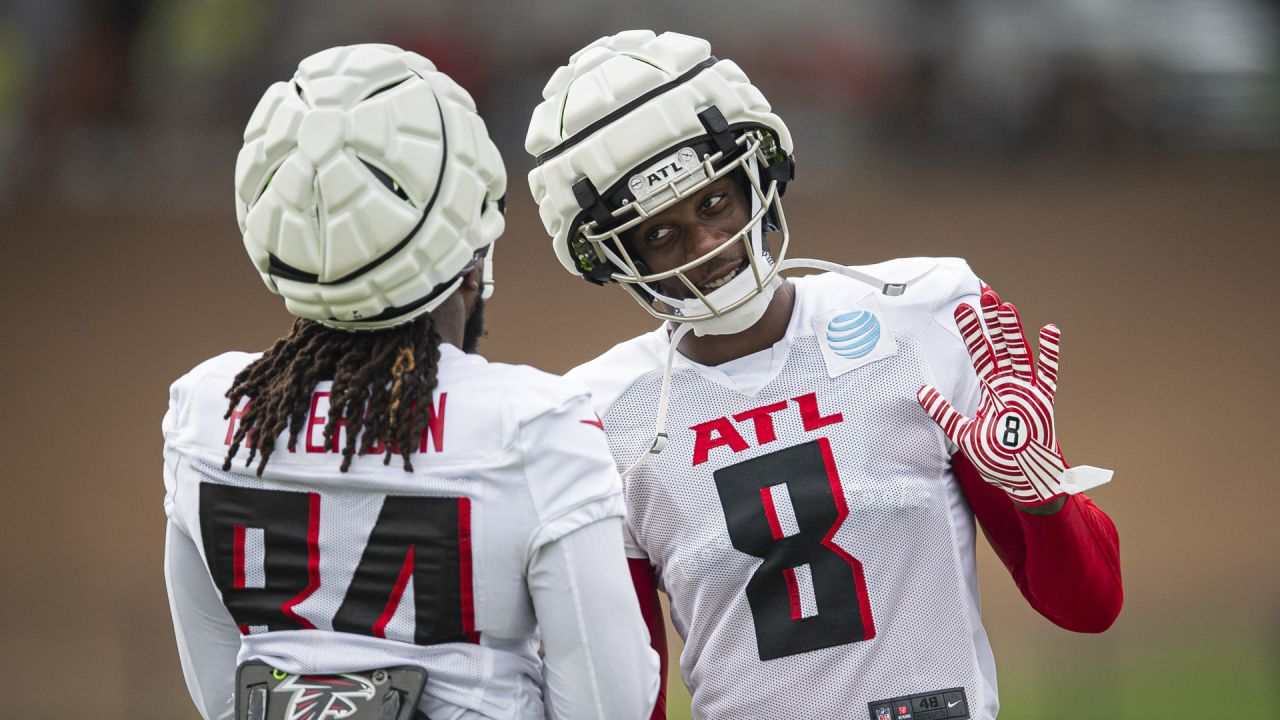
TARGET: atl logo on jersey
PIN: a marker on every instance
(720, 432)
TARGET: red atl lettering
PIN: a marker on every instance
(720, 432)
(762, 417)
(811, 416)
(713, 434)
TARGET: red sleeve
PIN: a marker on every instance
(651, 609)
(1067, 565)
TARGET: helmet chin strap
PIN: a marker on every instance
(741, 317)
(486, 275)
(890, 289)
(664, 398)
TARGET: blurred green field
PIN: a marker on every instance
(1209, 678)
(1235, 678)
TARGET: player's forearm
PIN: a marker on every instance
(598, 663)
(207, 637)
(1066, 564)
(1071, 571)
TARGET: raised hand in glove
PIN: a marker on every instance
(1011, 440)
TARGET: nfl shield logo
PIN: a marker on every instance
(882, 713)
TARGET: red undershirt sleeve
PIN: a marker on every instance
(651, 610)
(1067, 565)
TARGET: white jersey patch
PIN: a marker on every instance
(853, 336)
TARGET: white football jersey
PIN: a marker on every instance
(803, 518)
(326, 571)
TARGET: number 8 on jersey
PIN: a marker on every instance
(785, 508)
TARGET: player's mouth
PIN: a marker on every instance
(720, 277)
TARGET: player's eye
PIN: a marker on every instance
(658, 235)
(713, 203)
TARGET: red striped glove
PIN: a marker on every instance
(1011, 439)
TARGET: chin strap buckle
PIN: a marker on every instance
(659, 444)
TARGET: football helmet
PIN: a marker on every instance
(636, 122)
(367, 186)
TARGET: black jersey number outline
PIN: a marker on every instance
(844, 610)
(427, 539)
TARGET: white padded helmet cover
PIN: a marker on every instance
(355, 247)
(607, 75)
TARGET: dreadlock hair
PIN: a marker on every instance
(382, 385)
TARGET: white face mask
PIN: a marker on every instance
(741, 302)
(742, 286)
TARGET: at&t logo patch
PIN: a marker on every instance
(851, 337)
(853, 334)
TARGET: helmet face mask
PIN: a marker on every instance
(649, 193)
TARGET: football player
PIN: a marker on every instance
(806, 490)
(330, 580)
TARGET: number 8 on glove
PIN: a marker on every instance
(1011, 439)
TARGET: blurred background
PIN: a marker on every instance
(1110, 165)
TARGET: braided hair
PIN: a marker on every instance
(382, 386)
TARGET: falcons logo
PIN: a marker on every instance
(324, 697)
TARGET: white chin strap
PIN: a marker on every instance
(664, 398)
(890, 289)
(741, 317)
(750, 312)
(486, 275)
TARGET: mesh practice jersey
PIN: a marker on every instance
(804, 518)
(325, 571)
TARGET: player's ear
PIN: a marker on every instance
(472, 280)
(472, 283)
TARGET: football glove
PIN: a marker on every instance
(1011, 439)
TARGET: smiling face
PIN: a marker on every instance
(693, 228)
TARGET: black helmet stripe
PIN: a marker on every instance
(586, 132)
